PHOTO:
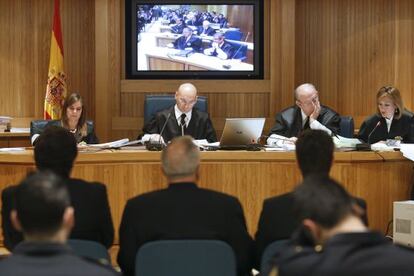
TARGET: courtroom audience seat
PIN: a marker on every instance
(185, 258)
(90, 249)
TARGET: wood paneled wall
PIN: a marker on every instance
(348, 49)
(24, 53)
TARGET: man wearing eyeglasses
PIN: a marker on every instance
(307, 113)
(181, 119)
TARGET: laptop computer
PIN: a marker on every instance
(238, 133)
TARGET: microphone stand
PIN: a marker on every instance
(159, 145)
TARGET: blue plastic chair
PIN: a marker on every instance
(233, 35)
(269, 252)
(90, 249)
(38, 126)
(156, 103)
(185, 258)
(346, 127)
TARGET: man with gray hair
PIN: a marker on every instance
(183, 211)
(307, 113)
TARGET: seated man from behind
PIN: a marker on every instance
(181, 119)
(55, 151)
(314, 155)
(307, 113)
(183, 211)
(44, 215)
(328, 213)
(220, 48)
(188, 41)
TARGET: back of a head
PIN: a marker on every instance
(314, 152)
(40, 202)
(55, 150)
(322, 200)
(180, 158)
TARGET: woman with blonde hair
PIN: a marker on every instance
(391, 120)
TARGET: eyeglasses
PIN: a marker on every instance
(185, 102)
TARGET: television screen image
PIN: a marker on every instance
(198, 39)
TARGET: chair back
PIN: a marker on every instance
(90, 249)
(240, 50)
(38, 126)
(233, 35)
(185, 258)
(346, 127)
(269, 252)
(156, 103)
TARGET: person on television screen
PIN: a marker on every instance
(220, 47)
(205, 30)
(188, 41)
(390, 121)
(183, 118)
(306, 113)
(178, 27)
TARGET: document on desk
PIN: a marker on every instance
(12, 149)
(408, 151)
(343, 142)
(279, 143)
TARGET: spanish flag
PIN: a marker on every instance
(56, 82)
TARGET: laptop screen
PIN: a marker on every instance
(241, 131)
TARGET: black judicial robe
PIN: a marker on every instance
(199, 127)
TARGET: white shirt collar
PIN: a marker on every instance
(178, 115)
(304, 117)
(389, 121)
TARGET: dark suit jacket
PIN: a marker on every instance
(200, 126)
(90, 138)
(278, 222)
(399, 127)
(183, 211)
(194, 42)
(42, 259)
(227, 48)
(178, 29)
(210, 31)
(289, 121)
(360, 254)
(93, 219)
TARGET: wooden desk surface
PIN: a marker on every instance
(379, 178)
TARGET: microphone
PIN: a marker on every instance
(238, 50)
(367, 146)
(372, 131)
(158, 146)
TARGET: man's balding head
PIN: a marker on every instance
(186, 97)
(180, 159)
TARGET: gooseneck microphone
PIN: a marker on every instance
(158, 146)
(372, 131)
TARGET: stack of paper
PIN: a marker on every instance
(343, 142)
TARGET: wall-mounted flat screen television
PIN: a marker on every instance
(194, 39)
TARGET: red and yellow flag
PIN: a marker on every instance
(56, 82)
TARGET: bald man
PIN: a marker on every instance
(183, 119)
(183, 211)
(307, 113)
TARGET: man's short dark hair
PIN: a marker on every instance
(314, 152)
(322, 200)
(55, 150)
(40, 202)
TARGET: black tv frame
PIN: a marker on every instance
(131, 41)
